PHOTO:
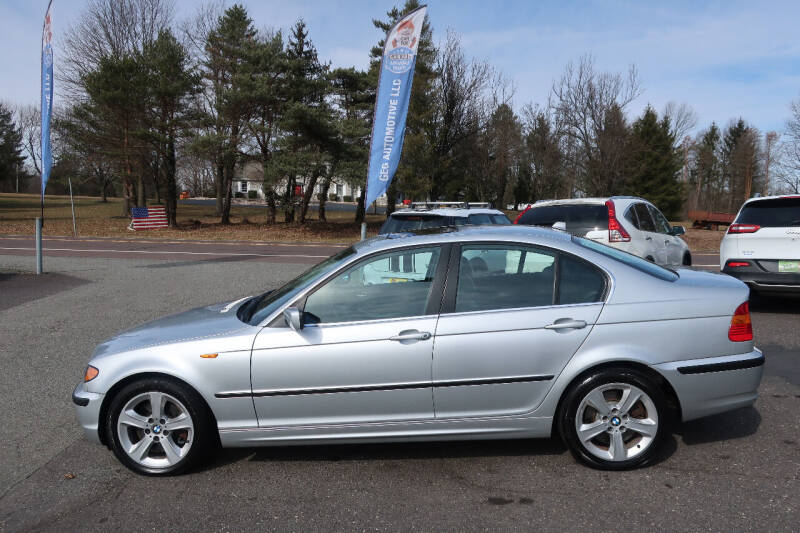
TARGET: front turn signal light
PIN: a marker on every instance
(90, 374)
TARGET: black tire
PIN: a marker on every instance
(573, 398)
(202, 441)
(687, 259)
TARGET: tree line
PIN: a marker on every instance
(150, 107)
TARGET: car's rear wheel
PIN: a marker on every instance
(158, 427)
(614, 419)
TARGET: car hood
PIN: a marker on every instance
(208, 322)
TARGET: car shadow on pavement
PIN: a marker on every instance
(389, 451)
(726, 426)
(19, 288)
(775, 303)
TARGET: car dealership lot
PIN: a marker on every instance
(738, 470)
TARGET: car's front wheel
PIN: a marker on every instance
(614, 419)
(158, 427)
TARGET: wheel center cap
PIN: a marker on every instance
(156, 429)
(614, 421)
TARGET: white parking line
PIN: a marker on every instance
(169, 253)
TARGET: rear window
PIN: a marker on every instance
(579, 218)
(772, 213)
(411, 223)
(629, 259)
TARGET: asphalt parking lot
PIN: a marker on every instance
(734, 472)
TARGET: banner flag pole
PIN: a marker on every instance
(46, 113)
(395, 78)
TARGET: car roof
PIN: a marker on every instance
(447, 234)
(774, 197)
(448, 211)
(584, 201)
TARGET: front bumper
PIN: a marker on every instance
(762, 276)
(87, 409)
(715, 384)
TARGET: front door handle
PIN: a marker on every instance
(566, 323)
(411, 335)
(648, 238)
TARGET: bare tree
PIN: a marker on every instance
(110, 28)
(589, 108)
(682, 120)
(30, 124)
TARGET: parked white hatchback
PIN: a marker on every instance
(631, 224)
(762, 246)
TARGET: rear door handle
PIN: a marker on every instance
(566, 323)
(648, 238)
(411, 335)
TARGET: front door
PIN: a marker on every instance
(364, 354)
(674, 248)
(509, 326)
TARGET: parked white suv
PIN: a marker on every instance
(425, 215)
(631, 224)
(762, 246)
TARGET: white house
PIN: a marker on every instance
(250, 177)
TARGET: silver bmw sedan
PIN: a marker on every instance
(483, 333)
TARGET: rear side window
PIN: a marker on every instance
(579, 282)
(645, 220)
(629, 259)
(771, 213)
(410, 223)
(504, 277)
(500, 219)
(479, 218)
(579, 218)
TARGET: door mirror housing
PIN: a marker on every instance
(678, 230)
(294, 318)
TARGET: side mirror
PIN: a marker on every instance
(293, 317)
(678, 230)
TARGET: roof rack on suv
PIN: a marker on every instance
(424, 206)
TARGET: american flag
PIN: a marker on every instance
(148, 218)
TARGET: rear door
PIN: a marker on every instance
(508, 327)
(778, 234)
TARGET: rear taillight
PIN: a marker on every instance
(738, 264)
(743, 228)
(741, 328)
(616, 233)
(516, 220)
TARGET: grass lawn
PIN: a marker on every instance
(98, 219)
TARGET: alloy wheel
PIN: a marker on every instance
(616, 422)
(155, 430)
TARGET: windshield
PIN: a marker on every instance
(260, 307)
(629, 259)
(772, 213)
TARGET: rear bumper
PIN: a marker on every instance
(87, 409)
(762, 280)
(715, 384)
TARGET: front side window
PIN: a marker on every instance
(391, 285)
(504, 277)
(662, 226)
(479, 218)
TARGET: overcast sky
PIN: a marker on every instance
(726, 59)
